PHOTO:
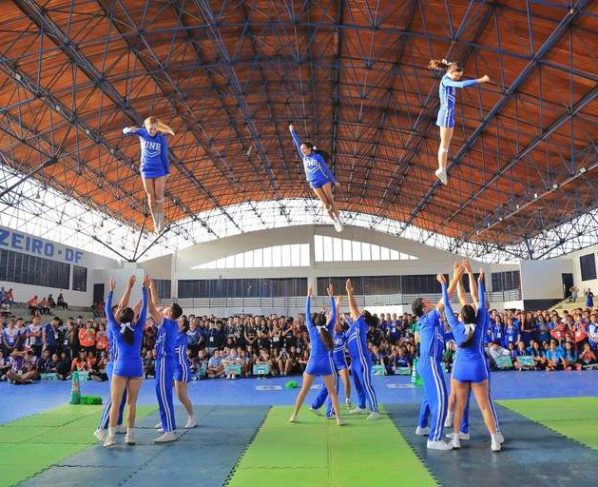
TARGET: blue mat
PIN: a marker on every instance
(204, 456)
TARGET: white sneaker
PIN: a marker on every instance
(357, 410)
(166, 437)
(293, 419)
(495, 444)
(441, 174)
(439, 445)
(315, 411)
(462, 436)
(121, 430)
(348, 403)
(110, 441)
(373, 416)
(455, 443)
(191, 423)
(158, 426)
(100, 435)
(419, 431)
(338, 225)
(448, 423)
(130, 439)
(340, 422)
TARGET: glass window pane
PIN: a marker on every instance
(347, 257)
(276, 256)
(257, 258)
(230, 262)
(286, 255)
(220, 263)
(384, 253)
(296, 255)
(356, 251)
(239, 262)
(394, 255)
(337, 251)
(328, 256)
(305, 255)
(366, 251)
(268, 257)
(318, 248)
(249, 258)
(375, 252)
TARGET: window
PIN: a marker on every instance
(241, 288)
(295, 255)
(504, 281)
(29, 269)
(79, 278)
(163, 286)
(587, 263)
(331, 249)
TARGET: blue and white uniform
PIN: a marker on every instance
(166, 364)
(469, 365)
(447, 93)
(183, 367)
(361, 364)
(128, 362)
(320, 358)
(431, 350)
(154, 153)
(112, 354)
(339, 362)
(317, 171)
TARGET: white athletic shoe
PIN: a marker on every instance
(315, 411)
(373, 416)
(455, 443)
(439, 445)
(495, 444)
(340, 422)
(293, 419)
(100, 435)
(338, 225)
(130, 439)
(448, 422)
(462, 436)
(191, 423)
(348, 403)
(166, 437)
(357, 410)
(121, 430)
(158, 426)
(110, 441)
(441, 174)
(500, 437)
(419, 431)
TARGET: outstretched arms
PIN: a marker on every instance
(296, 139)
(457, 273)
(466, 83)
(352, 304)
(152, 303)
(308, 306)
(333, 310)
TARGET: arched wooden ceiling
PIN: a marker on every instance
(230, 75)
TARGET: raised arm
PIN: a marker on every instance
(450, 314)
(153, 293)
(124, 300)
(461, 293)
(473, 288)
(457, 273)
(308, 306)
(143, 315)
(332, 319)
(339, 301)
(466, 83)
(108, 305)
(151, 305)
(296, 140)
(355, 313)
(131, 131)
(165, 129)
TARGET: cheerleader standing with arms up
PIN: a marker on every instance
(446, 114)
(319, 176)
(154, 164)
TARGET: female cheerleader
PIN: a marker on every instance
(128, 367)
(319, 176)
(361, 362)
(154, 164)
(182, 374)
(446, 113)
(320, 361)
(341, 368)
(469, 370)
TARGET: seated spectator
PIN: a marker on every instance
(538, 354)
(570, 358)
(43, 306)
(63, 367)
(23, 369)
(51, 302)
(303, 359)
(10, 339)
(149, 364)
(61, 303)
(521, 351)
(33, 305)
(45, 362)
(215, 366)
(4, 365)
(554, 357)
(376, 356)
(587, 356)
(79, 363)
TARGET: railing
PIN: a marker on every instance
(298, 302)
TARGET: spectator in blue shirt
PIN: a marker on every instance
(554, 356)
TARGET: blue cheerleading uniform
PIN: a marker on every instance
(183, 367)
(317, 171)
(431, 350)
(361, 364)
(339, 362)
(154, 153)
(128, 361)
(447, 94)
(166, 363)
(112, 354)
(469, 365)
(320, 358)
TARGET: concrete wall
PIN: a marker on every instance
(542, 279)
(573, 258)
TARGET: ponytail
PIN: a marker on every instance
(326, 338)
(323, 154)
(444, 64)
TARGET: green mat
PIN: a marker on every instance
(32, 444)
(315, 451)
(573, 417)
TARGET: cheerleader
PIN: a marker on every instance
(155, 166)
(128, 368)
(319, 176)
(469, 370)
(446, 114)
(182, 374)
(320, 359)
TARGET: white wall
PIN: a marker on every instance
(542, 279)
(27, 244)
(573, 258)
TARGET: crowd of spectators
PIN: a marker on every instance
(41, 345)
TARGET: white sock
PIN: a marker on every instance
(130, 431)
(111, 431)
